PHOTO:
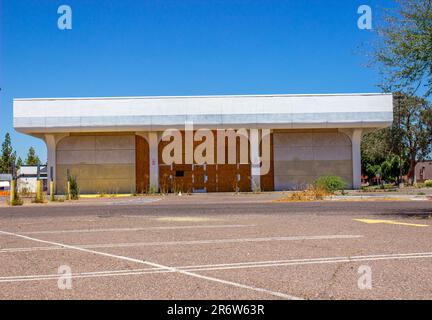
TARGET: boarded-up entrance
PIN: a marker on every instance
(142, 163)
(208, 177)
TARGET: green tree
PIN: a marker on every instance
(376, 147)
(390, 169)
(19, 163)
(8, 156)
(405, 53)
(32, 158)
(413, 122)
(401, 146)
(373, 170)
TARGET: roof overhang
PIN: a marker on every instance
(35, 116)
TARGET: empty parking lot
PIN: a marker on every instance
(216, 247)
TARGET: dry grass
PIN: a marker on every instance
(310, 194)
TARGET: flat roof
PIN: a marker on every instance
(205, 96)
(276, 111)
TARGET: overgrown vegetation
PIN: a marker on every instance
(74, 189)
(330, 184)
(428, 183)
(17, 201)
(313, 193)
(321, 188)
(404, 53)
(392, 153)
(39, 198)
(404, 57)
(379, 188)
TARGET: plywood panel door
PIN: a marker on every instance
(142, 162)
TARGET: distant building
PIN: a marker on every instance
(27, 177)
(423, 171)
(5, 179)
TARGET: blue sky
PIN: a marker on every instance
(148, 47)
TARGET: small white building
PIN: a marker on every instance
(5, 179)
(27, 178)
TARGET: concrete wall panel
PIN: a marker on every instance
(294, 153)
(301, 157)
(77, 143)
(102, 163)
(119, 142)
(76, 157)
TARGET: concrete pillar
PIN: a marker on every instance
(254, 139)
(356, 157)
(51, 143)
(153, 141)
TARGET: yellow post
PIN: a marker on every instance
(12, 192)
(52, 190)
(68, 196)
(38, 190)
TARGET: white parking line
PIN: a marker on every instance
(140, 229)
(186, 242)
(156, 265)
(225, 266)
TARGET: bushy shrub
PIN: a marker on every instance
(330, 183)
(17, 201)
(428, 183)
(74, 190)
(39, 198)
(25, 191)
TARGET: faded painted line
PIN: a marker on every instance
(133, 202)
(375, 221)
(225, 266)
(156, 265)
(140, 229)
(187, 242)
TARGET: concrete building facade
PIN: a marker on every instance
(116, 145)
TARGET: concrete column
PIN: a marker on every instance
(356, 157)
(153, 141)
(51, 143)
(254, 139)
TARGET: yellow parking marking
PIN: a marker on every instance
(374, 221)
